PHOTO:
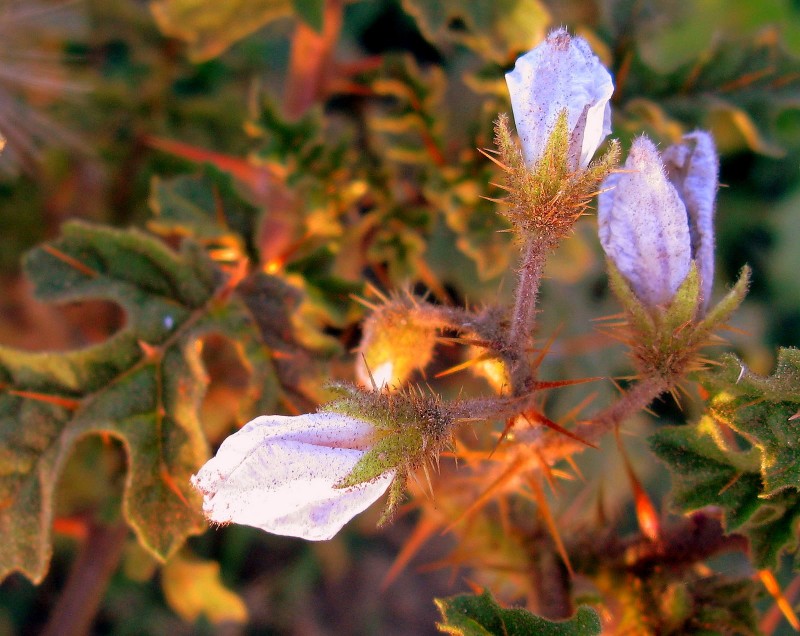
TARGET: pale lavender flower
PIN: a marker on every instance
(280, 474)
(643, 226)
(561, 73)
(657, 216)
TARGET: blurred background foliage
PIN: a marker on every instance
(343, 136)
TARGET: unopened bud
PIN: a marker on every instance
(643, 226)
(561, 74)
(393, 345)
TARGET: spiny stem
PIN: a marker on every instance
(520, 335)
(555, 446)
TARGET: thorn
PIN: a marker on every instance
(772, 586)
(70, 260)
(423, 531)
(549, 521)
(646, 515)
(542, 419)
(364, 302)
(59, 400)
(151, 352)
(499, 163)
(170, 482)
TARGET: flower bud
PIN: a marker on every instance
(643, 226)
(656, 218)
(393, 345)
(693, 168)
(561, 74)
(284, 474)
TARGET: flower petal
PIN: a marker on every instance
(643, 226)
(278, 474)
(560, 73)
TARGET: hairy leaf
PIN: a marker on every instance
(469, 615)
(142, 386)
(758, 488)
(761, 409)
(736, 87)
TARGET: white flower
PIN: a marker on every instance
(561, 73)
(643, 226)
(279, 474)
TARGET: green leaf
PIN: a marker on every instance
(210, 27)
(726, 604)
(497, 29)
(760, 409)
(205, 207)
(312, 12)
(469, 615)
(706, 472)
(142, 386)
(758, 488)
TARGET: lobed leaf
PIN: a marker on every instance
(142, 386)
(759, 488)
(470, 615)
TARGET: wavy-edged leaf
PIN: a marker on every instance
(759, 488)
(760, 409)
(142, 386)
(205, 207)
(470, 615)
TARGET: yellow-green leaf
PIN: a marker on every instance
(193, 588)
(210, 27)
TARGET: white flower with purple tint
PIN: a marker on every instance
(281, 474)
(561, 73)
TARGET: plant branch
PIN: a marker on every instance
(519, 342)
(309, 64)
(88, 579)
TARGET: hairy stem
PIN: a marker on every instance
(555, 446)
(519, 342)
(88, 579)
(551, 583)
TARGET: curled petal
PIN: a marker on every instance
(561, 73)
(693, 167)
(279, 474)
(643, 226)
